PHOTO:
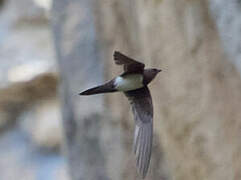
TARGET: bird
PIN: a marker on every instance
(133, 82)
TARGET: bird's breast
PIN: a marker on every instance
(129, 82)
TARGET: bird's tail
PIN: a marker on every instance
(105, 88)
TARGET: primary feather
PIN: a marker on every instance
(142, 108)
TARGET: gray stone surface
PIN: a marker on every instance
(227, 16)
(25, 45)
(80, 67)
(26, 51)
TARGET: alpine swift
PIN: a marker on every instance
(133, 82)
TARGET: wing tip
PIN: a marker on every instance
(117, 56)
(142, 149)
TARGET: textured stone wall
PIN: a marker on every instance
(196, 97)
(227, 16)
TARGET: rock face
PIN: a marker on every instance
(19, 97)
(196, 97)
(46, 128)
(29, 109)
(26, 47)
(227, 16)
(80, 67)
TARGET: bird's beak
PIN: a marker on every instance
(159, 70)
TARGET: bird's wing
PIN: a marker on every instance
(130, 65)
(142, 108)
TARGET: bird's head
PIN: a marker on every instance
(155, 71)
(150, 74)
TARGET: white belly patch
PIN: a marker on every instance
(129, 82)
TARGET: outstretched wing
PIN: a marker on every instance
(130, 65)
(142, 108)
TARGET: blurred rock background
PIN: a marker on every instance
(196, 97)
(30, 128)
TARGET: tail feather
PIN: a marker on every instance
(106, 88)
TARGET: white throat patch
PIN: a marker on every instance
(129, 82)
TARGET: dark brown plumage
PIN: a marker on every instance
(142, 108)
(133, 82)
(130, 65)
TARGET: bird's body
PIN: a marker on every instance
(129, 82)
(133, 82)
